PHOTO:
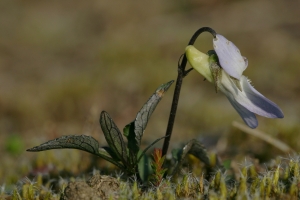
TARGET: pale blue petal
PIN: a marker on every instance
(229, 56)
(248, 117)
(248, 101)
(257, 103)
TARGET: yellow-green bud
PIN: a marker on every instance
(199, 61)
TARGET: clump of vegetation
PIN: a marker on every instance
(146, 177)
(275, 180)
(128, 157)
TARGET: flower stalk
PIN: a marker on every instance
(181, 74)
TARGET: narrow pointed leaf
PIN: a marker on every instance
(113, 136)
(134, 130)
(144, 167)
(144, 114)
(128, 132)
(132, 145)
(81, 142)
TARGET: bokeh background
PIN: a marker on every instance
(63, 62)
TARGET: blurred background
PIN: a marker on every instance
(63, 62)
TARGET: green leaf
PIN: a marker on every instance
(81, 142)
(106, 153)
(126, 129)
(195, 148)
(111, 153)
(132, 146)
(146, 111)
(134, 130)
(113, 136)
(176, 154)
(144, 167)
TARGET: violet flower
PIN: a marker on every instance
(224, 67)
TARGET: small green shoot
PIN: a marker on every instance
(157, 167)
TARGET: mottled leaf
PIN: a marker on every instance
(134, 130)
(110, 153)
(144, 114)
(82, 142)
(198, 150)
(193, 147)
(107, 154)
(113, 136)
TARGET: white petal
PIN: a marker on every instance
(248, 117)
(229, 56)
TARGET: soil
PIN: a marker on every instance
(97, 187)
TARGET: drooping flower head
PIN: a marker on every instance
(224, 67)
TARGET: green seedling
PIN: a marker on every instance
(128, 157)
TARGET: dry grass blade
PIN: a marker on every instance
(263, 136)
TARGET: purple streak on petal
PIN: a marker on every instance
(229, 56)
(257, 103)
(248, 117)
